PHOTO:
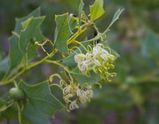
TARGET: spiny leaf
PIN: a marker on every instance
(40, 104)
(31, 32)
(14, 53)
(21, 44)
(96, 10)
(62, 32)
(19, 21)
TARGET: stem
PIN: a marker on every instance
(19, 113)
(69, 41)
(81, 45)
(15, 84)
(51, 85)
(28, 67)
(93, 39)
(59, 64)
(78, 33)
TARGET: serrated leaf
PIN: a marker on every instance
(40, 104)
(62, 32)
(31, 32)
(96, 10)
(14, 53)
(19, 21)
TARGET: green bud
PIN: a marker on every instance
(16, 93)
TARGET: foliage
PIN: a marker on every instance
(132, 97)
(90, 58)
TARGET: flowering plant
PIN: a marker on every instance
(84, 63)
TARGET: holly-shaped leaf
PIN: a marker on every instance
(19, 21)
(62, 32)
(96, 9)
(15, 51)
(21, 44)
(40, 103)
(31, 33)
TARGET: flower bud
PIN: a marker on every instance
(16, 93)
(79, 58)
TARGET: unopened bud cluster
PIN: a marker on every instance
(99, 60)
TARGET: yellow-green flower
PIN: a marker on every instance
(99, 60)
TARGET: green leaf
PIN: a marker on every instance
(19, 21)
(96, 10)
(81, 6)
(69, 61)
(31, 33)
(73, 22)
(117, 15)
(40, 104)
(92, 78)
(115, 18)
(3, 105)
(62, 32)
(14, 53)
(10, 112)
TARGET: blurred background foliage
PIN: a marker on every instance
(133, 96)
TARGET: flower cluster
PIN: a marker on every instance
(99, 60)
(74, 95)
